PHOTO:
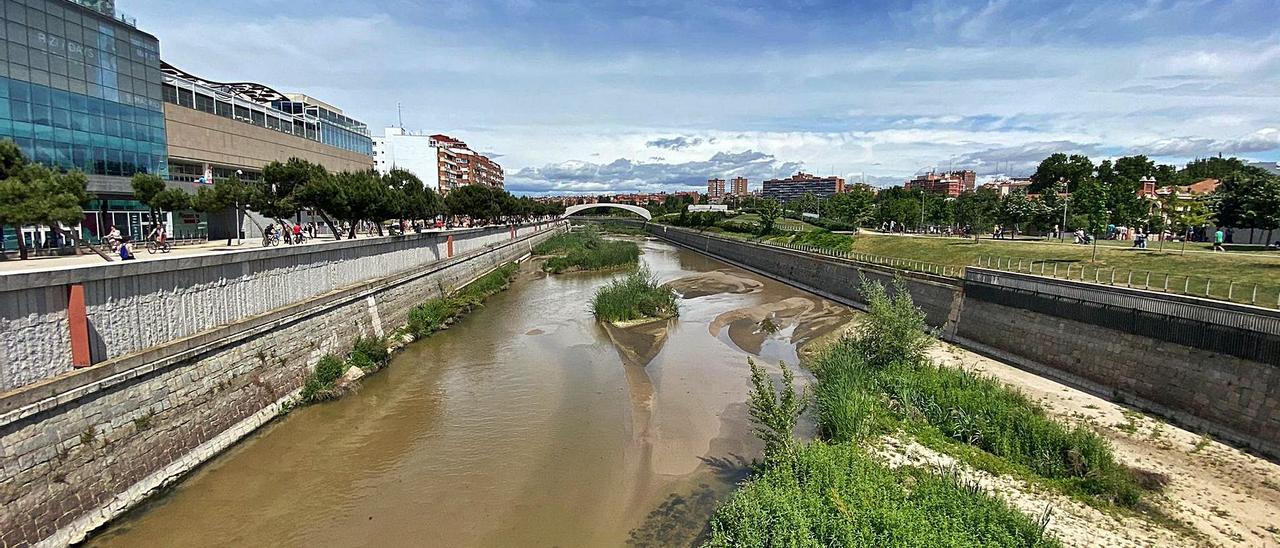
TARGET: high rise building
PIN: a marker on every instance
(80, 89)
(715, 190)
(739, 187)
(950, 184)
(800, 184)
(442, 162)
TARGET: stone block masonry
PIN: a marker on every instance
(1212, 366)
(81, 448)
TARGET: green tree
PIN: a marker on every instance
(227, 195)
(1017, 209)
(1248, 198)
(1072, 169)
(1210, 168)
(769, 210)
(899, 206)
(276, 195)
(478, 202)
(806, 203)
(856, 207)
(146, 187)
(1089, 209)
(977, 210)
(32, 194)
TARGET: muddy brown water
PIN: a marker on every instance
(526, 424)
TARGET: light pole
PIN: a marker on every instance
(921, 227)
(239, 229)
(1066, 202)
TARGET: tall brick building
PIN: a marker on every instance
(715, 190)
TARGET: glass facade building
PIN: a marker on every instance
(80, 89)
(336, 129)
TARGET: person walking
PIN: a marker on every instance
(1218, 236)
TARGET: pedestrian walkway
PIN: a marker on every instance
(139, 249)
(1169, 246)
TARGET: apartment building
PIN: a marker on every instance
(715, 190)
(949, 184)
(800, 184)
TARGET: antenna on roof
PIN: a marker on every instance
(399, 116)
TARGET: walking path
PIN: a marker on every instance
(12, 265)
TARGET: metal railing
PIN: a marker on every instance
(1180, 284)
(892, 262)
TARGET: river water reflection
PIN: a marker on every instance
(526, 424)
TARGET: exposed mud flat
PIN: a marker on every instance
(799, 319)
(714, 282)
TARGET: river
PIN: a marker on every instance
(526, 424)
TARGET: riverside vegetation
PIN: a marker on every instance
(586, 250)
(880, 382)
(371, 354)
(636, 296)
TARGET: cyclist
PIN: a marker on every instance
(158, 235)
(297, 233)
(268, 233)
(113, 237)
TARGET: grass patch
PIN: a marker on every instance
(837, 495)
(881, 381)
(586, 250)
(636, 296)
(433, 315)
(320, 385)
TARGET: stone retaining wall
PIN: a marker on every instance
(77, 450)
(1209, 365)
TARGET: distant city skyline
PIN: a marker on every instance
(583, 97)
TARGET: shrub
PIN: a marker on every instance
(633, 297)
(775, 413)
(319, 386)
(372, 353)
(879, 379)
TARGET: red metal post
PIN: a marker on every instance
(78, 321)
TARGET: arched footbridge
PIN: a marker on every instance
(634, 209)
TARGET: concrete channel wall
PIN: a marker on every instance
(80, 448)
(1210, 365)
(132, 306)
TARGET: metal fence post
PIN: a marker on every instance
(1231, 289)
(1068, 270)
(1207, 282)
(1129, 283)
(1147, 284)
(1055, 270)
(1166, 283)
(1186, 286)
(1113, 276)
(1254, 298)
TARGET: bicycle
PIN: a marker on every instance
(272, 239)
(153, 246)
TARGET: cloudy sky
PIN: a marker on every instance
(592, 96)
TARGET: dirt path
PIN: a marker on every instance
(1228, 496)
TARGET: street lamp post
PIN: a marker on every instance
(1066, 202)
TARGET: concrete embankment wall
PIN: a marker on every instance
(1210, 365)
(81, 447)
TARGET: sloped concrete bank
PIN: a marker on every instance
(80, 448)
(1209, 365)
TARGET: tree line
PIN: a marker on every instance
(1099, 195)
(340, 199)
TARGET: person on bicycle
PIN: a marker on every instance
(269, 232)
(113, 237)
(297, 233)
(158, 234)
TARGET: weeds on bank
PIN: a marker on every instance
(881, 380)
(636, 296)
(371, 353)
(431, 316)
(586, 250)
(835, 494)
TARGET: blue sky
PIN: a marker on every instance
(625, 96)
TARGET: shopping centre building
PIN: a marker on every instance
(81, 87)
